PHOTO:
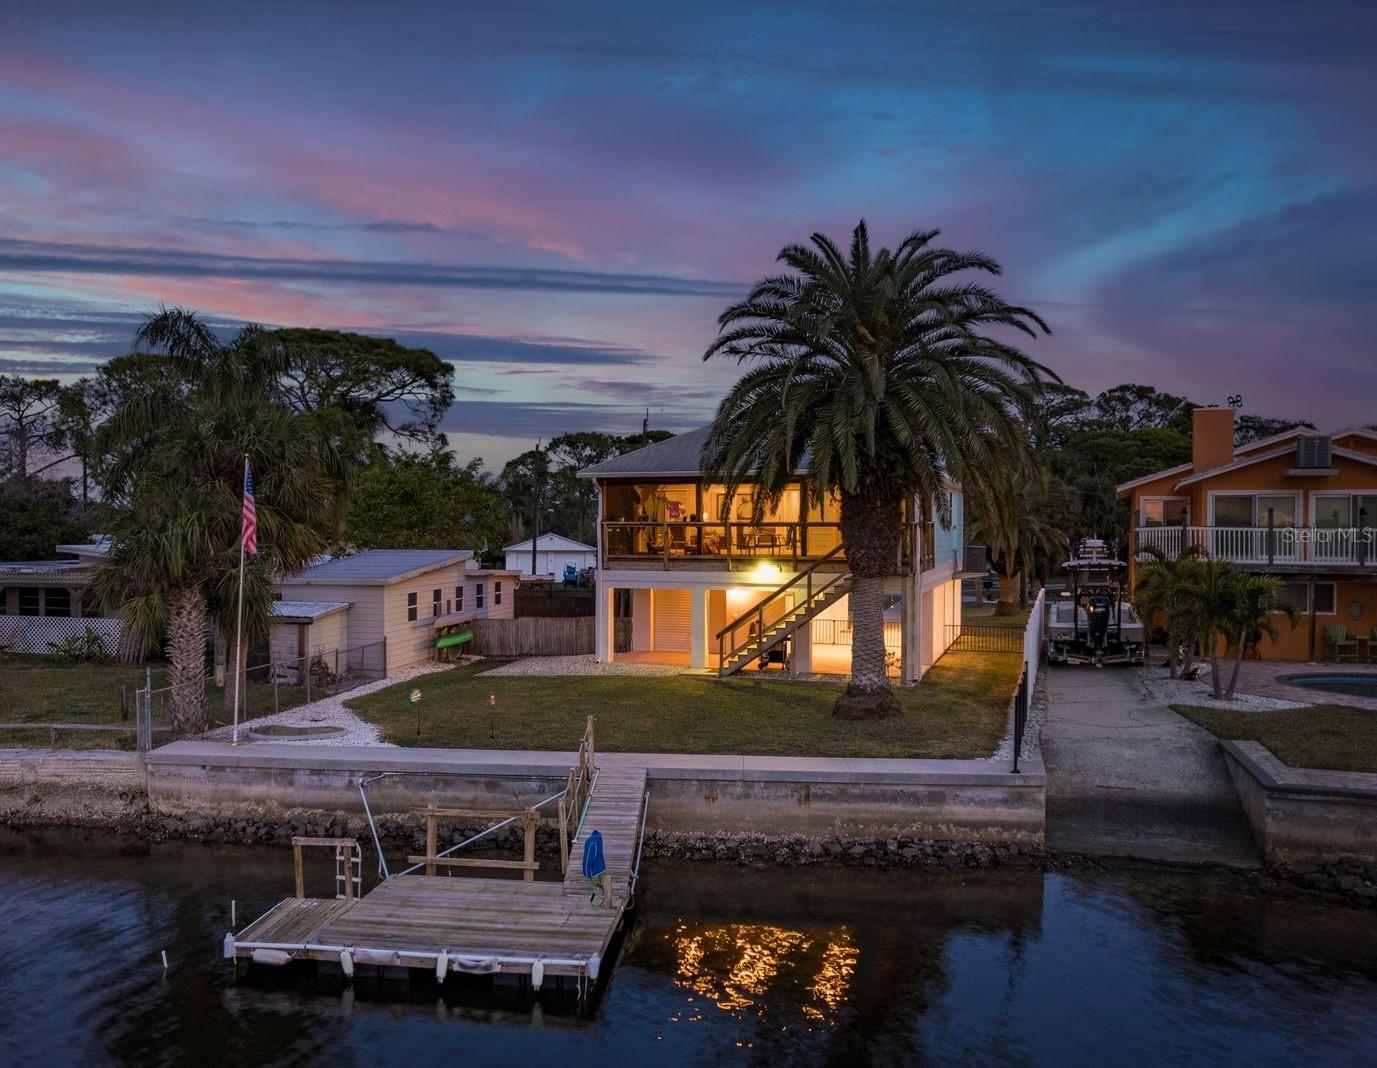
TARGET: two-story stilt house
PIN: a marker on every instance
(1300, 506)
(708, 582)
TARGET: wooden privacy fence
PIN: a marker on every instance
(537, 636)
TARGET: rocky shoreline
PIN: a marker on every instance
(1344, 880)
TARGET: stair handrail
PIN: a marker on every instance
(758, 610)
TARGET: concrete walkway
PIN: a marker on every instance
(1130, 778)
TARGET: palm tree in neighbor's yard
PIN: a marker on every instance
(1022, 513)
(1255, 613)
(1165, 588)
(175, 449)
(874, 373)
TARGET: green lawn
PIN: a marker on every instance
(39, 689)
(958, 711)
(1334, 737)
(983, 614)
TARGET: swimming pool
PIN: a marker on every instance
(1354, 685)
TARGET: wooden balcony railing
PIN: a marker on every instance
(687, 542)
(1344, 547)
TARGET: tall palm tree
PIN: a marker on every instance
(175, 450)
(1212, 604)
(1165, 589)
(874, 372)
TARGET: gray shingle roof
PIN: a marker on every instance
(379, 566)
(305, 609)
(679, 455)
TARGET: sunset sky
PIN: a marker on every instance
(561, 198)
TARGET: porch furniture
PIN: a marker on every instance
(1344, 647)
(1250, 644)
(678, 541)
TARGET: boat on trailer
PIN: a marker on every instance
(1093, 622)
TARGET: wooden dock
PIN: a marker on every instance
(444, 924)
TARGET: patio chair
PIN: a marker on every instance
(1344, 647)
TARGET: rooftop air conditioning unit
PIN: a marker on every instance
(1314, 451)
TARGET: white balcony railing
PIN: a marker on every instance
(1354, 547)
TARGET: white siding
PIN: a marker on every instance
(673, 611)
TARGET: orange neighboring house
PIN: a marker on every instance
(1298, 505)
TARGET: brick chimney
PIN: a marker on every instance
(1212, 438)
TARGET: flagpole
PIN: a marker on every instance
(239, 621)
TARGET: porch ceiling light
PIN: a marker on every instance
(766, 572)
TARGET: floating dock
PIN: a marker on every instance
(444, 924)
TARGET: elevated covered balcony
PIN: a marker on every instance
(692, 526)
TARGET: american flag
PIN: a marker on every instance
(248, 534)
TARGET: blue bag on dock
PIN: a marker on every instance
(594, 863)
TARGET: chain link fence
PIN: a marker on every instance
(267, 688)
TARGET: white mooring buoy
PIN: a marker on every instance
(442, 966)
(164, 960)
(593, 964)
(346, 963)
(537, 974)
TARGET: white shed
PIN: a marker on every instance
(553, 553)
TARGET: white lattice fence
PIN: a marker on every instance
(32, 634)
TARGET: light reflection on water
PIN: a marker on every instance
(734, 965)
(752, 966)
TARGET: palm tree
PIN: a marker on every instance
(872, 372)
(175, 452)
(1256, 609)
(1211, 603)
(1022, 514)
(1165, 588)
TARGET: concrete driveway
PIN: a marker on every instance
(1127, 777)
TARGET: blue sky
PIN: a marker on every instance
(561, 198)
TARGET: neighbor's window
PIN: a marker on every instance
(28, 601)
(57, 602)
(434, 602)
(458, 598)
(411, 607)
(1163, 511)
(497, 592)
(1233, 510)
(1296, 595)
(478, 595)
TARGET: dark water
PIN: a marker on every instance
(723, 965)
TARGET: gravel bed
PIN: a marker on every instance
(329, 711)
(1032, 729)
(580, 665)
(1161, 688)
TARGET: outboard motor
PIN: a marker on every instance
(1097, 623)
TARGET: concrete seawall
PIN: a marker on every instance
(949, 800)
(1302, 814)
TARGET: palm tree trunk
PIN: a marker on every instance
(1216, 687)
(1008, 594)
(872, 528)
(1238, 668)
(186, 650)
